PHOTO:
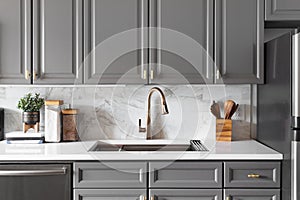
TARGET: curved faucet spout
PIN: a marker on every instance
(165, 110)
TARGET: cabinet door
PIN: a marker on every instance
(250, 194)
(278, 10)
(239, 41)
(57, 41)
(187, 194)
(182, 42)
(114, 43)
(15, 41)
(109, 194)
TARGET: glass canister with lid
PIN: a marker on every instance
(70, 132)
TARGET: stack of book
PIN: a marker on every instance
(18, 137)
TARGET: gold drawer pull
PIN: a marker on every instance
(253, 176)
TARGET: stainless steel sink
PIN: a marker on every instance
(100, 146)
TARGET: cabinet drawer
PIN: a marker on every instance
(185, 175)
(109, 194)
(110, 175)
(251, 194)
(252, 174)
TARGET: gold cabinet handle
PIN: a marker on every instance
(143, 197)
(228, 198)
(151, 74)
(35, 75)
(145, 74)
(27, 74)
(253, 176)
(218, 74)
(152, 198)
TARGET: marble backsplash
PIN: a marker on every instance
(112, 112)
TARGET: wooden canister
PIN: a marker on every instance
(224, 130)
(70, 132)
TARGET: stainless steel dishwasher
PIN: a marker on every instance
(35, 181)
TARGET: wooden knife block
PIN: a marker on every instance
(224, 130)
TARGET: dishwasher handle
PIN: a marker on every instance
(36, 172)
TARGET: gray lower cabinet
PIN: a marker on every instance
(15, 40)
(239, 29)
(110, 194)
(177, 180)
(278, 10)
(57, 41)
(185, 175)
(182, 44)
(189, 194)
(252, 174)
(250, 194)
(115, 46)
(110, 175)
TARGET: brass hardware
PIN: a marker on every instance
(152, 198)
(140, 127)
(27, 74)
(35, 75)
(164, 110)
(218, 74)
(228, 198)
(151, 74)
(143, 197)
(145, 74)
(253, 175)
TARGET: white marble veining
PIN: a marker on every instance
(239, 150)
(112, 112)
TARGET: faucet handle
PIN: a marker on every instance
(140, 127)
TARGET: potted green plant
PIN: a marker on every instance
(31, 105)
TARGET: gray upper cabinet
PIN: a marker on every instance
(115, 43)
(181, 41)
(239, 41)
(279, 10)
(57, 41)
(15, 41)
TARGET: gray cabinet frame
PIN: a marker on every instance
(273, 11)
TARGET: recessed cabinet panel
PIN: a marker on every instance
(252, 174)
(15, 41)
(250, 194)
(113, 41)
(109, 194)
(186, 194)
(239, 41)
(110, 175)
(57, 41)
(278, 10)
(182, 43)
(185, 175)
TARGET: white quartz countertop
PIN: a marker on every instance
(237, 150)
